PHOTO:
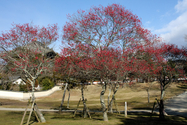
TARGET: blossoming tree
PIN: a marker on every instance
(102, 28)
(25, 48)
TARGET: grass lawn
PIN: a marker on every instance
(14, 118)
(135, 95)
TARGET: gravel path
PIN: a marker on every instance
(177, 105)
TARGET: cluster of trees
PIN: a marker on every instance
(154, 61)
(104, 43)
(110, 44)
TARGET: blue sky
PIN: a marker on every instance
(166, 18)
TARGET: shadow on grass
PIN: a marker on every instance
(144, 106)
(182, 86)
(18, 116)
(149, 119)
(132, 119)
(63, 108)
(14, 113)
(78, 116)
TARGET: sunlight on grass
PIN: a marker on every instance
(135, 96)
(14, 118)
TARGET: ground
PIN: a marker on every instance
(177, 105)
(135, 95)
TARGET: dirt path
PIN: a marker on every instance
(177, 105)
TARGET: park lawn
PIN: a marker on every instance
(14, 118)
(135, 96)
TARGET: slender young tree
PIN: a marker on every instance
(25, 47)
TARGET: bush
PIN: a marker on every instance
(47, 84)
(6, 86)
(23, 88)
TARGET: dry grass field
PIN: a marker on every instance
(135, 95)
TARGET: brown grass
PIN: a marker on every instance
(135, 96)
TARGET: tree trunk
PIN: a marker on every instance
(63, 97)
(109, 97)
(161, 104)
(105, 117)
(33, 84)
(68, 97)
(42, 119)
(124, 83)
(110, 109)
(161, 110)
(115, 89)
(148, 96)
(162, 94)
(84, 102)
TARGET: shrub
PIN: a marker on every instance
(23, 88)
(47, 84)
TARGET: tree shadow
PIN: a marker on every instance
(65, 115)
(151, 119)
(63, 108)
(19, 115)
(98, 116)
(14, 112)
(182, 86)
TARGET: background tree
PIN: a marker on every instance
(75, 63)
(64, 67)
(24, 47)
(163, 68)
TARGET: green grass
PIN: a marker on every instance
(14, 118)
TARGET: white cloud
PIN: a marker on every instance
(175, 31)
(181, 6)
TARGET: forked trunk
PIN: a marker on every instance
(105, 117)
